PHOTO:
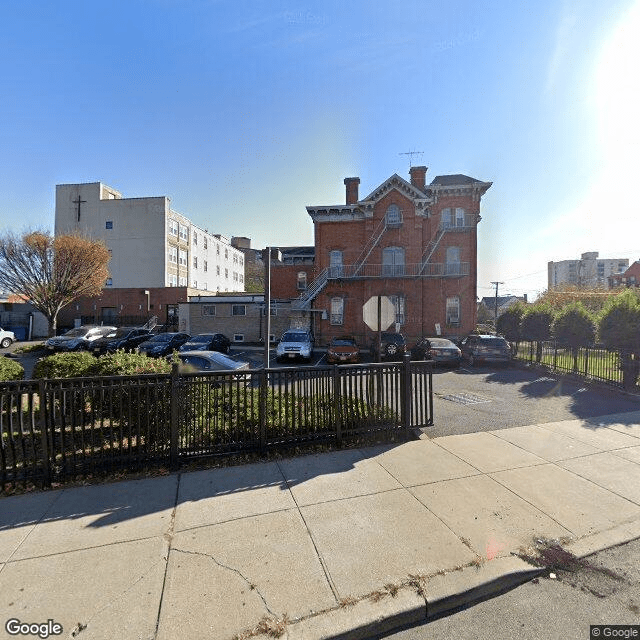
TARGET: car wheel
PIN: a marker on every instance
(5, 343)
(391, 349)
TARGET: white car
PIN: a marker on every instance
(6, 338)
(78, 339)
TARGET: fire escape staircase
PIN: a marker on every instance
(304, 300)
(430, 249)
(376, 236)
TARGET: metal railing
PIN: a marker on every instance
(57, 430)
(588, 362)
(431, 269)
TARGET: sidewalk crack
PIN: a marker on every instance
(252, 586)
(168, 536)
(325, 569)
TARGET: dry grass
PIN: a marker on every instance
(271, 626)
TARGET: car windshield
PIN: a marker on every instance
(122, 332)
(343, 342)
(202, 338)
(75, 333)
(441, 343)
(294, 337)
(494, 342)
(162, 337)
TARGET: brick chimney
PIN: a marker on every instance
(418, 177)
(352, 189)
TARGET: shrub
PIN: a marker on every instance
(129, 364)
(65, 365)
(575, 327)
(536, 326)
(10, 370)
(619, 322)
(508, 324)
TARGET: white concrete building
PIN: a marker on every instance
(151, 245)
(590, 270)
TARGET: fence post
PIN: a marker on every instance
(174, 425)
(44, 440)
(335, 402)
(405, 387)
(586, 361)
(262, 409)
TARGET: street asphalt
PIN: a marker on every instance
(345, 544)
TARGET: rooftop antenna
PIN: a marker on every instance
(411, 154)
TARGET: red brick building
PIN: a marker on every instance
(630, 278)
(411, 241)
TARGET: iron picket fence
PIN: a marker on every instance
(56, 430)
(592, 363)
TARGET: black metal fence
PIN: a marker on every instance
(589, 362)
(54, 430)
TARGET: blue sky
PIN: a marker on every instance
(245, 112)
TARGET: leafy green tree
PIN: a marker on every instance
(619, 328)
(575, 327)
(536, 326)
(508, 325)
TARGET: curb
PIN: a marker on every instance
(441, 594)
(444, 593)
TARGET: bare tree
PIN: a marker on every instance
(52, 271)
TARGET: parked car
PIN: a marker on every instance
(211, 361)
(392, 348)
(6, 338)
(162, 344)
(125, 338)
(295, 343)
(207, 342)
(343, 349)
(78, 339)
(485, 348)
(440, 350)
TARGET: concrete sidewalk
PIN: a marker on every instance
(342, 544)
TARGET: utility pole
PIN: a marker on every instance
(495, 311)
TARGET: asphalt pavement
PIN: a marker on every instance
(574, 599)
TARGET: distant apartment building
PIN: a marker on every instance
(590, 270)
(151, 245)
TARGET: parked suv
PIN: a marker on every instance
(6, 338)
(78, 339)
(125, 338)
(295, 343)
(207, 342)
(485, 348)
(392, 348)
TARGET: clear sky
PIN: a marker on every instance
(245, 112)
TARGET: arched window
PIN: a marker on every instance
(393, 261)
(393, 217)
